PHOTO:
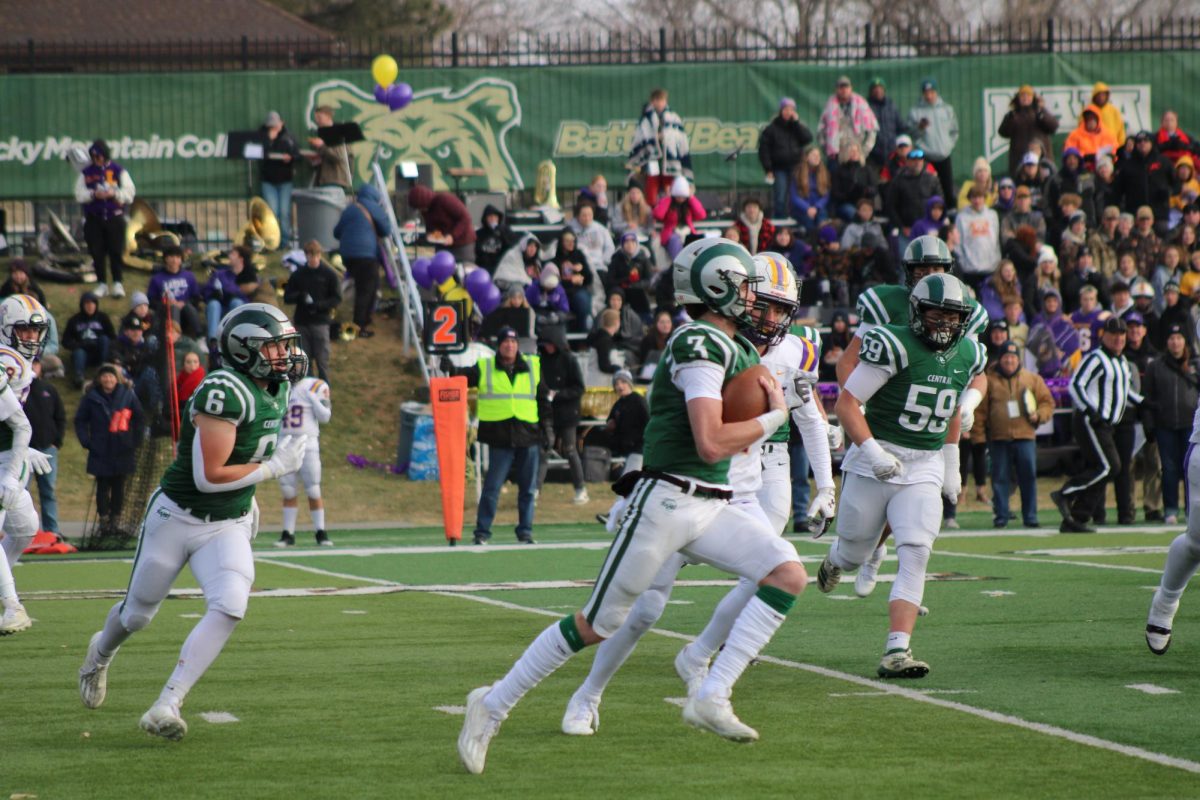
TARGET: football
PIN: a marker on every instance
(743, 398)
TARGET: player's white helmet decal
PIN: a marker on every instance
(712, 273)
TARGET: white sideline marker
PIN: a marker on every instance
(190, 616)
(353, 611)
(997, 593)
(1150, 688)
(887, 694)
(218, 717)
(452, 710)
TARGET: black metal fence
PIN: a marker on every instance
(830, 46)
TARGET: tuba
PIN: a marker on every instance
(545, 192)
(261, 231)
(144, 236)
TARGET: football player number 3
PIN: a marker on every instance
(446, 319)
(928, 409)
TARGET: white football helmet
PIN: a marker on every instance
(712, 273)
(24, 325)
(777, 286)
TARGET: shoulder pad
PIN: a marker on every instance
(224, 396)
(693, 343)
(882, 348)
(870, 308)
(977, 320)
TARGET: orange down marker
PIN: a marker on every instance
(449, 399)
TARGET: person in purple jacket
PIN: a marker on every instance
(105, 188)
(180, 290)
(227, 289)
(547, 295)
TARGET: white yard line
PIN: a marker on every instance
(912, 694)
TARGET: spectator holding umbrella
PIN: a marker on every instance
(109, 424)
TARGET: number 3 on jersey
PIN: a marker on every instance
(927, 409)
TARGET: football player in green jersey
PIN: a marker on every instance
(905, 449)
(883, 305)
(678, 503)
(203, 513)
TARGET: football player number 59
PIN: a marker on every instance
(928, 409)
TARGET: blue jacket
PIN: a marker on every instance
(109, 427)
(357, 236)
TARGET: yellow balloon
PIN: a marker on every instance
(384, 70)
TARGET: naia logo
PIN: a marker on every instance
(449, 395)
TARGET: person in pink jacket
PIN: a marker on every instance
(678, 211)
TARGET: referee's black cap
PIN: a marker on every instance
(1115, 325)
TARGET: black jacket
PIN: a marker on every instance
(111, 445)
(781, 144)
(906, 197)
(510, 432)
(31, 288)
(44, 408)
(628, 419)
(85, 331)
(560, 374)
(274, 170)
(315, 291)
(1170, 393)
(1146, 181)
(602, 342)
(490, 243)
(850, 183)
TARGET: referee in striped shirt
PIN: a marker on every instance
(1100, 390)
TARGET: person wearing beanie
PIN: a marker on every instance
(935, 217)
(630, 270)
(1071, 181)
(625, 426)
(87, 335)
(104, 188)
(680, 209)
(934, 128)
(513, 312)
(547, 297)
(1027, 120)
(981, 175)
(276, 171)
(562, 387)
(847, 115)
(1110, 116)
(111, 448)
(20, 282)
(780, 148)
(1146, 178)
(979, 233)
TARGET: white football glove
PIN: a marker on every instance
(821, 511)
(837, 437)
(884, 465)
(289, 455)
(10, 491)
(970, 401)
(798, 389)
(952, 479)
(38, 461)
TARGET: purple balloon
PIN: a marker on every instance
(399, 95)
(489, 301)
(477, 283)
(381, 94)
(420, 271)
(442, 266)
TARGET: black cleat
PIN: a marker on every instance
(1072, 525)
(286, 540)
(323, 539)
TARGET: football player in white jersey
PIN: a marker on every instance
(761, 481)
(1183, 556)
(308, 409)
(24, 325)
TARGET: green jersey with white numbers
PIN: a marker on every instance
(920, 398)
(888, 305)
(669, 443)
(257, 413)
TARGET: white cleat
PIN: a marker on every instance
(864, 582)
(93, 678)
(163, 720)
(689, 671)
(1158, 639)
(14, 620)
(582, 717)
(479, 726)
(901, 664)
(1158, 625)
(717, 715)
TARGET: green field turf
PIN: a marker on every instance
(1033, 642)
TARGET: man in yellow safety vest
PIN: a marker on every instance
(510, 392)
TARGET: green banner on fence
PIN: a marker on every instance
(170, 130)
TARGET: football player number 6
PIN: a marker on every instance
(919, 416)
(215, 403)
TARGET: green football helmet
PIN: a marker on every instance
(247, 329)
(712, 272)
(927, 253)
(938, 292)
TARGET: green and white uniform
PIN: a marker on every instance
(911, 394)
(662, 525)
(210, 531)
(888, 305)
